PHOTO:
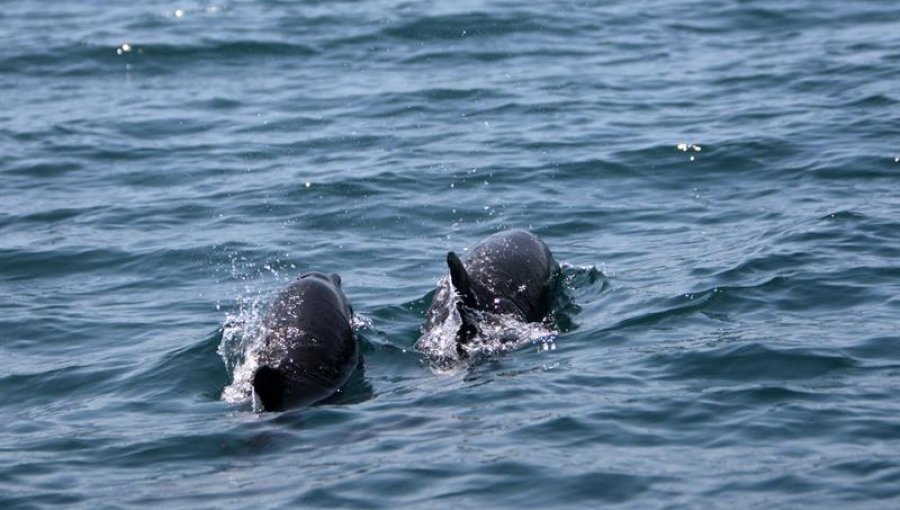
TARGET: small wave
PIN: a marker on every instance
(221, 52)
(579, 286)
(585, 280)
(432, 56)
(189, 369)
(89, 59)
(457, 26)
(24, 264)
(674, 307)
(753, 361)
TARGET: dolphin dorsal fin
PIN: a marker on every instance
(460, 279)
(268, 383)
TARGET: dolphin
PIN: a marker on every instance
(510, 273)
(308, 350)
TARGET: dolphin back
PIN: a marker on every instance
(308, 350)
(513, 272)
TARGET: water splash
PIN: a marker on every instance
(576, 277)
(243, 331)
(497, 333)
(359, 321)
(240, 346)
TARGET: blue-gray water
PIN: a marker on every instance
(719, 178)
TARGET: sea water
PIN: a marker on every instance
(719, 179)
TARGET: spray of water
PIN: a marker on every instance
(497, 333)
(239, 349)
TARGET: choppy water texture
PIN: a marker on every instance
(718, 178)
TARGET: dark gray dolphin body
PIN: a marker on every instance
(308, 351)
(510, 272)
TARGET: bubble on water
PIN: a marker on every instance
(359, 321)
(685, 147)
(548, 344)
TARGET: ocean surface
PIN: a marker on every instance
(720, 181)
